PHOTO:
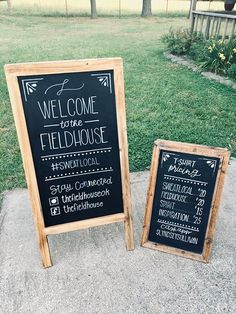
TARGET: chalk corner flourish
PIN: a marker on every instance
(104, 79)
(30, 86)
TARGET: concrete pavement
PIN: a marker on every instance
(93, 273)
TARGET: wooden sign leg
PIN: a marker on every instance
(129, 233)
(44, 249)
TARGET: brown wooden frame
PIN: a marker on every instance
(116, 64)
(221, 153)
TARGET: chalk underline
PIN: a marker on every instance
(170, 224)
(167, 175)
(90, 121)
(78, 152)
(50, 125)
(58, 124)
(78, 174)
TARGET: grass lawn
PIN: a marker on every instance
(164, 100)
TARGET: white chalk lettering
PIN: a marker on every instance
(53, 109)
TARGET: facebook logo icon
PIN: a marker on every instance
(55, 211)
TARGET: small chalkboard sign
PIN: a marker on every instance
(70, 120)
(183, 198)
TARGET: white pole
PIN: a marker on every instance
(66, 4)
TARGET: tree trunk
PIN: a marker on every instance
(93, 9)
(147, 8)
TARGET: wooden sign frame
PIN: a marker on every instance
(221, 153)
(116, 64)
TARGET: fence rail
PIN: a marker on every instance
(213, 24)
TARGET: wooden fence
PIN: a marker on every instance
(218, 25)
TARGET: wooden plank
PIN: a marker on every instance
(62, 66)
(192, 22)
(213, 26)
(170, 250)
(84, 224)
(201, 25)
(28, 166)
(218, 26)
(179, 147)
(225, 30)
(150, 195)
(215, 207)
(192, 148)
(196, 23)
(192, 8)
(123, 144)
(207, 29)
(232, 35)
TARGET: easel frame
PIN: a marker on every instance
(23, 69)
(221, 153)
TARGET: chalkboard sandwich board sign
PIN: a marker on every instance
(185, 186)
(71, 126)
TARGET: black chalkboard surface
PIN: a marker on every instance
(72, 126)
(183, 196)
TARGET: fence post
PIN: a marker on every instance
(225, 30)
(192, 21)
(193, 5)
(218, 28)
(66, 5)
(167, 5)
(232, 35)
(208, 24)
(9, 6)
